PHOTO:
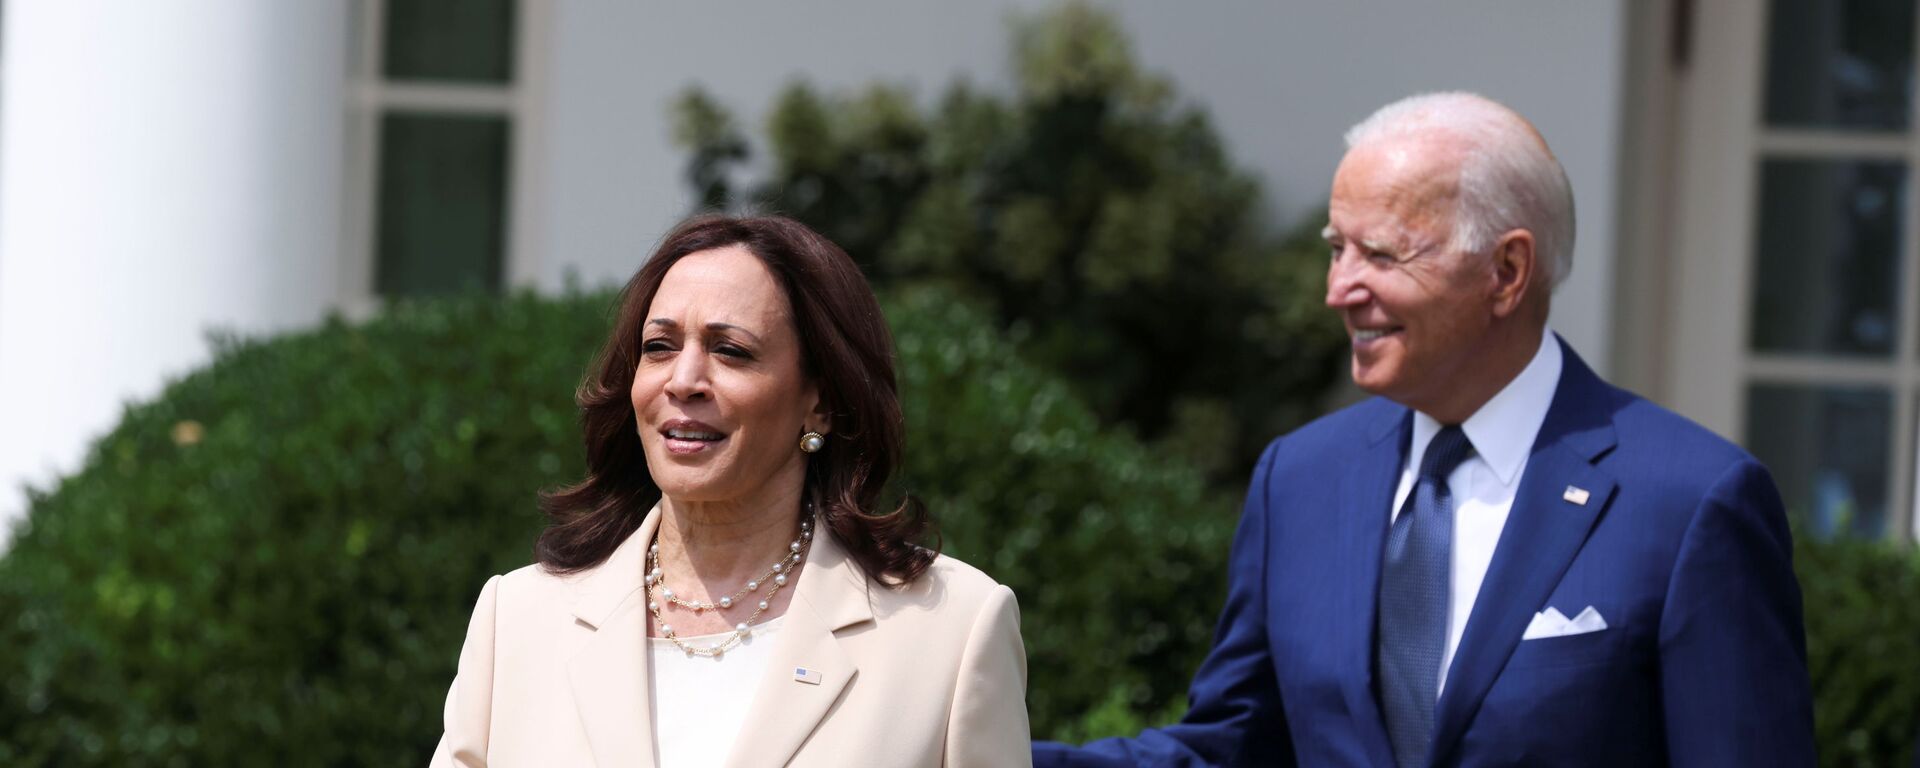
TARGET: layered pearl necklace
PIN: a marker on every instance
(659, 595)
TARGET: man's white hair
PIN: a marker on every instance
(1509, 179)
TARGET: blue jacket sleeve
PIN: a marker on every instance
(1233, 715)
(1733, 648)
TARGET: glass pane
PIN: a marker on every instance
(1828, 448)
(1911, 513)
(1846, 64)
(1829, 256)
(443, 192)
(471, 41)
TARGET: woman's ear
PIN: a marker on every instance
(819, 417)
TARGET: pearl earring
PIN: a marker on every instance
(812, 442)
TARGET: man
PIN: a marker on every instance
(1501, 559)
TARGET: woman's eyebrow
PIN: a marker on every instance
(670, 323)
(718, 326)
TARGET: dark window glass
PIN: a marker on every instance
(1840, 64)
(442, 205)
(469, 41)
(1828, 250)
(1828, 448)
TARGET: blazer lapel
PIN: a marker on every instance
(831, 595)
(1544, 532)
(1366, 496)
(610, 675)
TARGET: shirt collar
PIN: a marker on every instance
(1503, 430)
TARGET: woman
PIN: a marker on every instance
(764, 612)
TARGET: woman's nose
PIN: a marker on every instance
(688, 380)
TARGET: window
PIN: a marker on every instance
(1797, 309)
(437, 196)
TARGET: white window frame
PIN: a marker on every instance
(370, 95)
(1722, 140)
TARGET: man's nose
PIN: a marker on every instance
(1345, 287)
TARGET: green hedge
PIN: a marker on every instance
(272, 563)
(1863, 648)
(1117, 553)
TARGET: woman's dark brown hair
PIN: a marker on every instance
(845, 348)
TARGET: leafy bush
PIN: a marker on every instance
(1863, 648)
(1118, 555)
(273, 562)
(1096, 216)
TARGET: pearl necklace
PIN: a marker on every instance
(776, 577)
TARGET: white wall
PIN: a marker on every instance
(614, 175)
(165, 168)
(1282, 81)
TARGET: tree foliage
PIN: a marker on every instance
(1097, 216)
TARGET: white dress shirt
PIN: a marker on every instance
(700, 703)
(1483, 486)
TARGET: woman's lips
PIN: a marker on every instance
(684, 436)
(684, 446)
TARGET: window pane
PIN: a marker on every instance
(1905, 516)
(1829, 257)
(1846, 64)
(1828, 448)
(443, 192)
(471, 41)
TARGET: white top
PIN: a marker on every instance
(700, 703)
(1483, 486)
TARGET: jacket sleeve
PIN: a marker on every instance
(987, 725)
(1234, 715)
(469, 711)
(1733, 648)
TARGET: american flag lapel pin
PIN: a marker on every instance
(1576, 495)
(808, 676)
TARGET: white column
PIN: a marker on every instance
(165, 169)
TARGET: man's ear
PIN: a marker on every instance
(1515, 263)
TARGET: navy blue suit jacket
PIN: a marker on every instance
(1682, 546)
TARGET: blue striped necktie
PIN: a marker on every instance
(1414, 577)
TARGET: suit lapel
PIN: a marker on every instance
(610, 675)
(1366, 496)
(831, 595)
(1544, 532)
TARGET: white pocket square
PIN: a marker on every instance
(1552, 623)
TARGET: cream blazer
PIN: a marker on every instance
(555, 671)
